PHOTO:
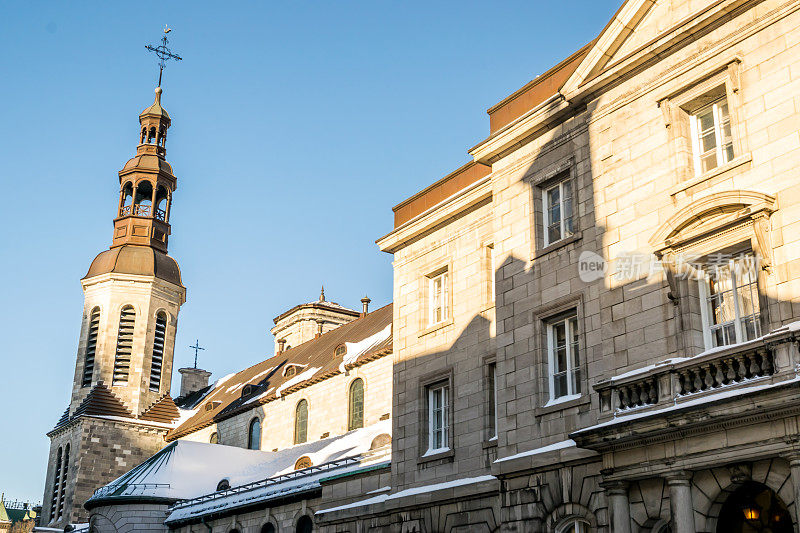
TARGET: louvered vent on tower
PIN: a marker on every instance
(158, 351)
(91, 347)
(122, 361)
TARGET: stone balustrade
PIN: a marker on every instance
(675, 380)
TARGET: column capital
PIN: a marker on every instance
(615, 487)
(678, 477)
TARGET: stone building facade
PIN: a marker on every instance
(637, 205)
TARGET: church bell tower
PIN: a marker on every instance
(120, 407)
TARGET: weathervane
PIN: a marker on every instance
(197, 348)
(163, 53)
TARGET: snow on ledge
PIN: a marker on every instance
(299, 378)
(569, 443)
(410, 492)
(563, 399)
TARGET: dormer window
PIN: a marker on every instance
(303, 462)
(292, 369)
(248, 389)
(224, 484)
(210, 406)
(340, 351)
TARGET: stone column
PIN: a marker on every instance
(794, 465)
(618, 506)
(680, 502)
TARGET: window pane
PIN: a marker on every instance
(560, 385)
(553, 214)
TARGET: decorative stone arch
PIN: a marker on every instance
(162, 309)
(570, 511)
(100, 523)
(305, 511)
(774, 473)
(715, 214)
(265, 527)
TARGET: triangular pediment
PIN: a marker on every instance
(636, 25)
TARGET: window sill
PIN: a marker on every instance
(436, 327)
(575, 237)
(560, 406)
(436, 456)
(732, 164)
(490, 443)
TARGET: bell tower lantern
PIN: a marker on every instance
(146, 185)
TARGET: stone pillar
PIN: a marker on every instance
(680, 502)
(619, 506)
(794, 464)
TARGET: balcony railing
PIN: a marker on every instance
(140, 210)
(774, 357)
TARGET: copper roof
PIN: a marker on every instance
(163, 410)
(134, 259)
(102, 402)
(267, 378)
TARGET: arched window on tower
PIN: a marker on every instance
(122, 359)
(144, 135)
(56, 484)
(254, 435)
(355, 405)
(151, 136)
(64, 472)
(143, 200)
(91, 347)
(301, 422)
(157, 361)
(161, 203)
(126, 199)
(305, 525)
(162, 136)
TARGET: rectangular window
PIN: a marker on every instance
(491, 396)
(438, 298)
(730, 308)
(558, 210)
(438, 417)
(564, 362)
(712, 140)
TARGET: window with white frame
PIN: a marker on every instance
(438, 417)
(563, 354)
(575, 525)
(712, 140)
(438, 298)
(729, 296)
(558, 203)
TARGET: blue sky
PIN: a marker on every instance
(296, 127)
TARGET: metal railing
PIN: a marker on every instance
(131, 489)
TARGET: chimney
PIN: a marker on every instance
(365, 305)
(319, 328)
(193, 379)
(281, 345)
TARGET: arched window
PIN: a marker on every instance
(301, 422)
(64, 472)
(214, 439)
(91, 347)
(574, 525)
(305, 525)
(340, 351)
(122, 360)
(224, 484)
(126, 199)
(56, 484)
(151, 135)
(144, 135)
(268, 528)
(303, 462)
(355, 405)
(160, 211)
(158, 351)
(143, 199)
(254, 435)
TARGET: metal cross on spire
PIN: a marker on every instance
(197, 348)
(163, 53)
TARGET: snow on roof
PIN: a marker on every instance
(277, 477)
(269, 381)
(357, 349)
(187, 469)
(411, 492)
